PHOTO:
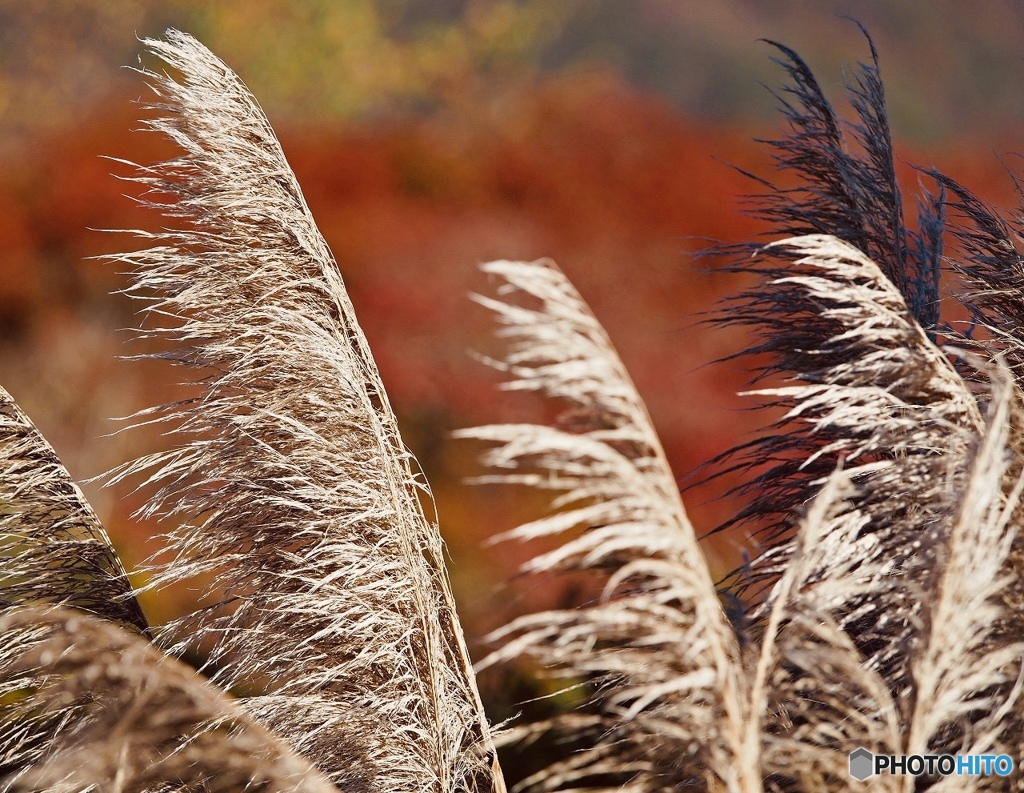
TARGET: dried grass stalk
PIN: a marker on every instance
(885, 623)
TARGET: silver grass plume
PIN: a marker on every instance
(890, 610)
(53, 550)
(968, 677)
(989, 271)
(818, 698)
(815, 695)
(812, 696)
(919, 585)
(873, 391)
(298, 507)
(656, 647)
(144, 722)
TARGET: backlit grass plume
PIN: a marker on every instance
(874, 392)
(656, 645)
(961, 261)
(968, 674)
(142, 721)
(816, 697)
(53, 550)
(812, 697)
(936, 489)
(292, 498)
(847, 181)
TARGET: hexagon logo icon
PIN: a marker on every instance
(861, 764)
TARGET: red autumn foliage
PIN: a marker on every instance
(616, 186)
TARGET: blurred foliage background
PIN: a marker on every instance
(430, 136)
